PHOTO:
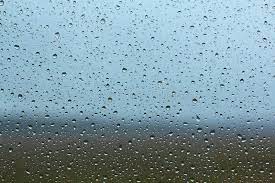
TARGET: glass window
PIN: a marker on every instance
(137, 91)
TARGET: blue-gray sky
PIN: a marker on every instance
(136, 59)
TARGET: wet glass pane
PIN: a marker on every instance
(137, 91)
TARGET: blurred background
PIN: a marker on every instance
(137, 91)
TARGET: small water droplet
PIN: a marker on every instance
(16, 47)
(212, 132)
(117, 7)
(102, 21)
(124, 69)
(198, 118)
(10, 149)
(57, 35)
(173, 93)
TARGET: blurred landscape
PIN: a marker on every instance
(116, 152)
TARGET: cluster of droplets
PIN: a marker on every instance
(136, 92)
(90, 150)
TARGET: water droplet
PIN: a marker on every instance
(102, 21)
(173, 93)
(199, 130)
(198, 118)
(117, 7)
(30, 127)
(2, 3)
(16, 47)
(10, 149)
(57, 35)
(124, 69)
(212, 132)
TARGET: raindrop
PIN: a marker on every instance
(102, 21)
(124, 69)
(16, 47)
(212, 132)
(198, 118)
(10, 149)
(173, 93)
(194, 100)
(199, 130)
(57, 35)
(85, 142)
(117, 7)
(185, 123)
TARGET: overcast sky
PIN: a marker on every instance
(138, 59)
